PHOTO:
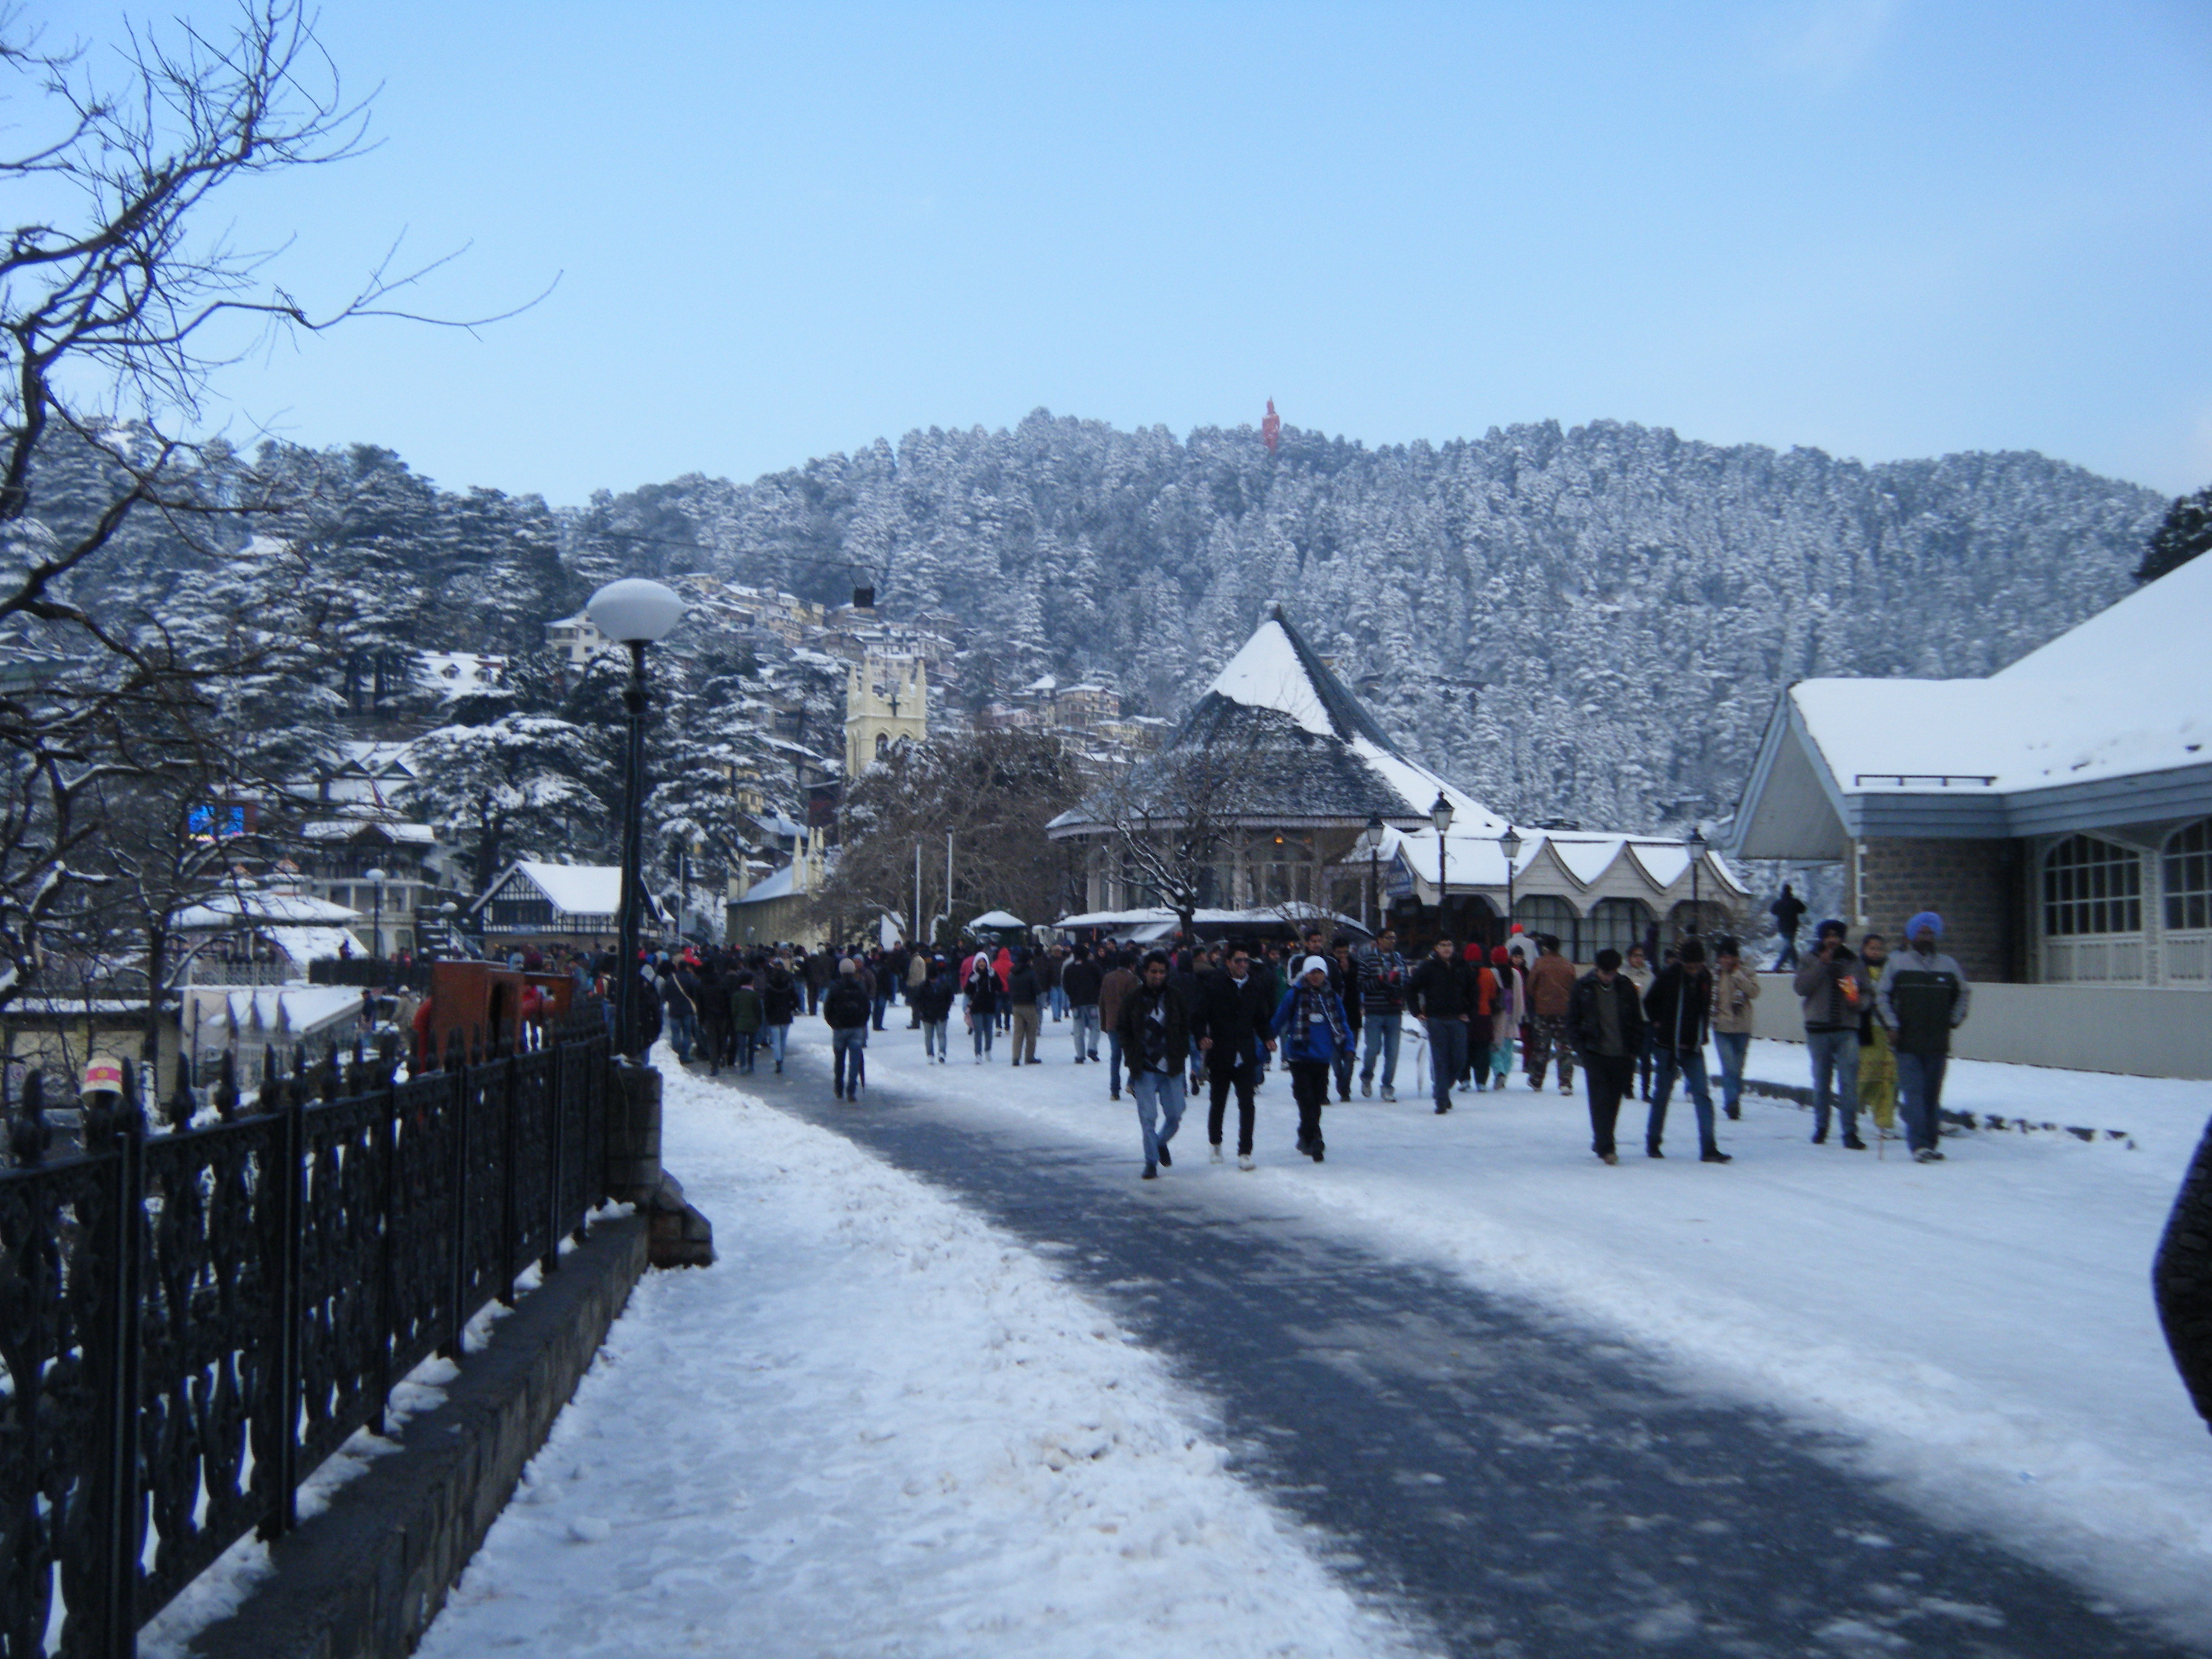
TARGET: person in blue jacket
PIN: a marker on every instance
(1311, 1023)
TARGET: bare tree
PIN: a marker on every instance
(119, 304)
(1170, 817)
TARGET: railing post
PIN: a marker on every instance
(119, 1591)
(510, 1207)
(291, 1227)
(457, 1058)
(557, 1122)
(387, 1282)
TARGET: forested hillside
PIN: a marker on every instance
(1591, 624)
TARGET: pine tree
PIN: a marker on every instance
(2187, 532)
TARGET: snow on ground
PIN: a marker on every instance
(877, 1426)
(1980, 1330)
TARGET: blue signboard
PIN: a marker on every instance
(1398, 882)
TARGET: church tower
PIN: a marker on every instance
(886, 698)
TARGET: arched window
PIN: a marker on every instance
(883, 745)
(2091, 886)
(1541, 914)
(1615, 924)
(2189, 876)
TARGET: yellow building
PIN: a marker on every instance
(886, 698)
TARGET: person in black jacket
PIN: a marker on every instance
(1080, 981)
(2181, 1279)
(1231, 1020)
(845, 1008)
(1022, 991)
(932, 1006)
(1605, 1023)
(1441, 995)
(1680, 1006)
(1154, 1028)
(778, 1008)
(982, 995)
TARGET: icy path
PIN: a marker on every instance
(1980, 1332)
(878, 1427)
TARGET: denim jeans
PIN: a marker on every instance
(849, 1046)
(775, 1038)
(1921, 1078)
(934, 1043)
(1733, 1046)
(1835, 1063)
(1384, 1031)
(682, 1032)
(748, 1047)
(1086, 1030)
(883, 1001)
(1447, 1055)
(1691, 1064)
(1114, 1064)
(1058, 1000)
(1161, 1091)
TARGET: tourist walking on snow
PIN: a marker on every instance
(778, 1008)
(1735, 987)
(744, 1018)
(1382, 996)
(933, 1005)
(1550, 981)
(845, 1010)
(1113, 989)
(982, 997)
(1343, 980)
(1441, 995)
(1679, 1011)
(1505, 1016)
(1835, 992)
(1080, 980)
(1231, 1020)
(917, 976)
(1605, 1022)
(1022, 994)
(1789, 912)
(1923, 998)
(1153, 1026)
(1877, 1059)
(1315, 1030)
(1636, 966)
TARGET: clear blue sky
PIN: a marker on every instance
(1883, 229)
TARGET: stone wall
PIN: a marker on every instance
(1974, 885)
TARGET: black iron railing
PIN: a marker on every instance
(191, 1322)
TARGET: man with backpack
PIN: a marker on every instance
(845, 1008)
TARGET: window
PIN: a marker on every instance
(2189, 876)
(883, 745)
(1541, 914)
(1615, 924)
(2091, 886)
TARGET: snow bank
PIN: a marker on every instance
(878, 1426)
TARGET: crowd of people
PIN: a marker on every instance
(1216, 1019)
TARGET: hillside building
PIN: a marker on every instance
(886, 700)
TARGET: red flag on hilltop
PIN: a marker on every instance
(1272, 427)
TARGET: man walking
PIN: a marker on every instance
(1022, 993)
(1232, 1012)
(1835, 990)
(1923, 998)
(1152, 1033)
(845, 1010)
(1679, 1010)
(1113, 990)
(1080, 980)
(1343, 980)
(1442, 998)
(1315, 1029)
(1877, 1061)
(1788, 911)
(1551, 982)
(1383, 998)
(1735, 987)
(1605, 1020)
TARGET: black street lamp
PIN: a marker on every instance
(1695, 842)
(1372, 839)
(1509, 844)
(376, 879)
(1440, 814)
(633, 612)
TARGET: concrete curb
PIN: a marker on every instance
(364, 1579)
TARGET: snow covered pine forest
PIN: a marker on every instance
(1590, 624)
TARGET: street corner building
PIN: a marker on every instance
(1297, 771)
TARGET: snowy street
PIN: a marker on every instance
(1510, 1400)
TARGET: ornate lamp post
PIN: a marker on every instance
(1509, 844)
(1372, 839)
(633, 612)
(1695, 842)
(376, 879)
(1440, 814)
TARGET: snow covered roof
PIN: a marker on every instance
(2109, 723)
(998, 918)
(1594, 865)
(306, 945)
(459, 673)
(420, 834)
(229, 909)
(1143, 926)
(578, 889)
(779, 885)
(272, 1011)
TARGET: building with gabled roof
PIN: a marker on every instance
(537, 903)
(2058, 814)
(1314, 767)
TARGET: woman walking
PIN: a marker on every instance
(1314, 1031)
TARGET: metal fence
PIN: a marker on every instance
(191, 1322)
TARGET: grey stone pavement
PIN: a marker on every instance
(1508, 1485)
